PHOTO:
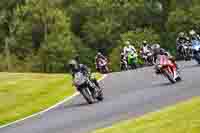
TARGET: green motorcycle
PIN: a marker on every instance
(132, 60)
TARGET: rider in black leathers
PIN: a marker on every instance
(77, 67)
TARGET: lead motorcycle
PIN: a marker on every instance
(89, 90)
(196, 50)
(168, 69)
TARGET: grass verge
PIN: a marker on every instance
(181, 118)
(22, 94)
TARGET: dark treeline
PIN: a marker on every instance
(42, 35)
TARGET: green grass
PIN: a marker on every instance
(22, 94)
(181, 118)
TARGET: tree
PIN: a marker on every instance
(43, 30)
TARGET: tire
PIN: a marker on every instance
(100, 97)
(106, 69)
(197, 57)
(86, 95)
(97, 93)
(133, 66)
(150, 61)
(170, 77)
(124, 67)
(178, 79)
(188, 55)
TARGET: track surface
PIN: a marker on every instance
(127, 94)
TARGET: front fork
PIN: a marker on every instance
(174, 71)
(94, 87)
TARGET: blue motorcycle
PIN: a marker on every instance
(196, 50)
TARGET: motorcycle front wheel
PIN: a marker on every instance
(197, 57)
(169, 76)
(100, 97)
(87, 95)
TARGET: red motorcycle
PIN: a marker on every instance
(168, 68)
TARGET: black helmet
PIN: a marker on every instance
(73, 65)
(162, 52)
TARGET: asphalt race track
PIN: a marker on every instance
(127, 95)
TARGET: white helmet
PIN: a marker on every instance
(128, 43)
(192, 32)
(156, 46)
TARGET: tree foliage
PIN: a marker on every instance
(42, 35)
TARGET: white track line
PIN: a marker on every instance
(48, 109)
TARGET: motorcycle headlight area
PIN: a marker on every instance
(79, 79)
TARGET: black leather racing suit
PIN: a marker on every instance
(86, 71)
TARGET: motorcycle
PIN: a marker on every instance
(148, 58)
(87, 88)
(103, 66)
(124, 65)
(196, 50)
(132, 60)
(186, 51)
(168, 69)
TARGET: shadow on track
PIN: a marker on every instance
(163, 84)
(78, 105)
(71, 106)
(191, 66)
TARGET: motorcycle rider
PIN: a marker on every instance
(162, 51)
(155, 48)
(97, 58)
(181, 39)
(77, 67)
(145, 49)
(129, 48)
(123, 61)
